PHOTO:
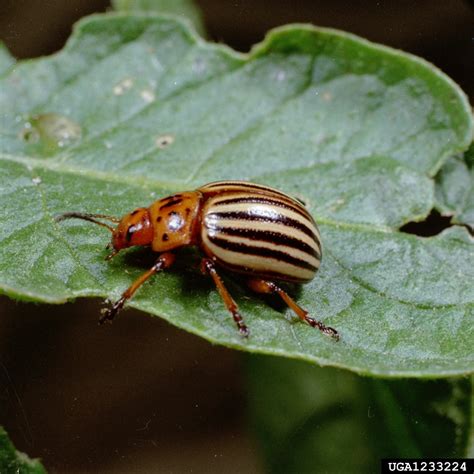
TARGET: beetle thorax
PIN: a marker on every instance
(174, 220)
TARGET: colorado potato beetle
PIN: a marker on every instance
(246, 228)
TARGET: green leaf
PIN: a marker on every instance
(135, 108)
(183, 8)
(305, 417)
(6, 59)
(455, 188)
(14, 462)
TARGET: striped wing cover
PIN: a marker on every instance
(257, 230)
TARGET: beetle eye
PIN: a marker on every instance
(130, 231)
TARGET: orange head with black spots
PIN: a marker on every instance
(133, 229)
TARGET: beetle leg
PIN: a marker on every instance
(165, 260)
(207, 266)
(266, 287)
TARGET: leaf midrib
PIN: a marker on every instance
(139, 181)
(169, 185)
(35, 163)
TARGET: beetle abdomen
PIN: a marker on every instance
(259, 231)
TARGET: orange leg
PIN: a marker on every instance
(165, 260)
(207, 266)
(262, 286)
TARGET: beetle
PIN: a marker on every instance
(242, 227)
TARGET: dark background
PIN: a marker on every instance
(441, 31)
(141, 396)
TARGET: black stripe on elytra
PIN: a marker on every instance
(244, 184)
(171, 203)
(247, 185)
(269, 236)
(276, 218)
(232, 187)
(268, 274)
(261, 252)
(284, 203)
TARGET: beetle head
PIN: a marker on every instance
(133, 229)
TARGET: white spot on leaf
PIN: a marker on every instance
(164, 141)
(147, 95)
(123, 86)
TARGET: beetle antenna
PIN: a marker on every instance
(113, 219)
(88, 217)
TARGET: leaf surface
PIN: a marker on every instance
(12, 461)
(455, 188)
(6, 59)
(183, 8)
(136, 107)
